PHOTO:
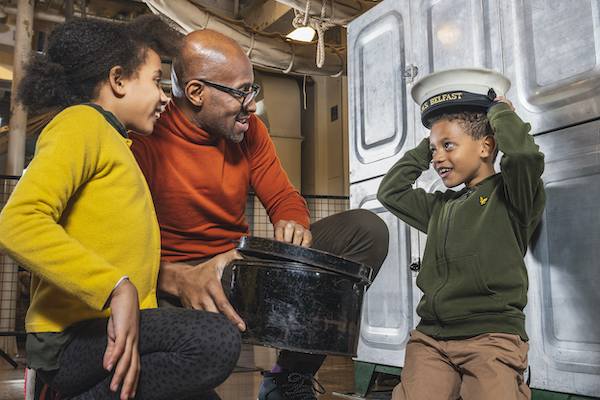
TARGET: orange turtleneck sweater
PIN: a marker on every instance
(200, 181)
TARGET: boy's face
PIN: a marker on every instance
(457, 158)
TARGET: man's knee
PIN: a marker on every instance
(373, 225)
(359, 235)
(376, 231)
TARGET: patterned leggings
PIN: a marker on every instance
(184, 354)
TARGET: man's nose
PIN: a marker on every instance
(251, 107)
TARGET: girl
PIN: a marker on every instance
(81, 220)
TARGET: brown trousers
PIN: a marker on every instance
(488, 366)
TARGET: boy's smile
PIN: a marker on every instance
(457, 157)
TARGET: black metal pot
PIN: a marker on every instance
(295, 305)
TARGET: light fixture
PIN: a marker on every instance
(302, 34)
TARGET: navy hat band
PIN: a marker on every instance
(455, 101)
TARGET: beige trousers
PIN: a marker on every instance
(485, 367)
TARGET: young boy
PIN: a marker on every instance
(471, 341)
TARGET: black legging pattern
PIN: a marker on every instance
(184, 354)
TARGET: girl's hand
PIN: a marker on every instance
(123, 338)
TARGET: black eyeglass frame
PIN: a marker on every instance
(247, 97)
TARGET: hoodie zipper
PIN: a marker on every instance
(435, 295)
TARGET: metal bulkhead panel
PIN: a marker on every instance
(552, 55)
(381, 113)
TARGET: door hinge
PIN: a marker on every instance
(410, 73)
(415, 265)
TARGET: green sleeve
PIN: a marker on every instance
(522, 164)
(396, 191)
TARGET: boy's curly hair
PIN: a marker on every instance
(475, 124)
(80, 53)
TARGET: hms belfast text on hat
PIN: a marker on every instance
(442, 97)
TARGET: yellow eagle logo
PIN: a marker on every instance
(483, 200)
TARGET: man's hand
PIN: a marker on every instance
(199, 286)
(292, 232)
(123, 338)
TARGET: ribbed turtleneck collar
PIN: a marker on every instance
(174, 120)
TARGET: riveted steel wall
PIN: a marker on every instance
(550, 50)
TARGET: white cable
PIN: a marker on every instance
(251, 45)
(289, 68)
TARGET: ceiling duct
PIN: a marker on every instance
(272, 51)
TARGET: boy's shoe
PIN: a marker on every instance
(288, 386)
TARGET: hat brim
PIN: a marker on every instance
(475, 83)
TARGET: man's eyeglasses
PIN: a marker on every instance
(247, 97)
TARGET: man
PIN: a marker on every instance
(207, 149)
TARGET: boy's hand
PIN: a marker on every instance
(502, 99)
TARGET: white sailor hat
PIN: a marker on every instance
(458, 89)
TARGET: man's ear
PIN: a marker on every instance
(488, 146)
(116, 79)
(194, 91)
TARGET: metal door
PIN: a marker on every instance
(390, 303)
(562, 313)
(552, 56)
(457, 33)
(381, 113)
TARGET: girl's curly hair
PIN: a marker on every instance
(80, 53)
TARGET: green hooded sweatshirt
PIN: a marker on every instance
(472, 275)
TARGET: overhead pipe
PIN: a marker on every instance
(272, 51)
(57, 18)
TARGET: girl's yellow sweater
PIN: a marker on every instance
(80, 219)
